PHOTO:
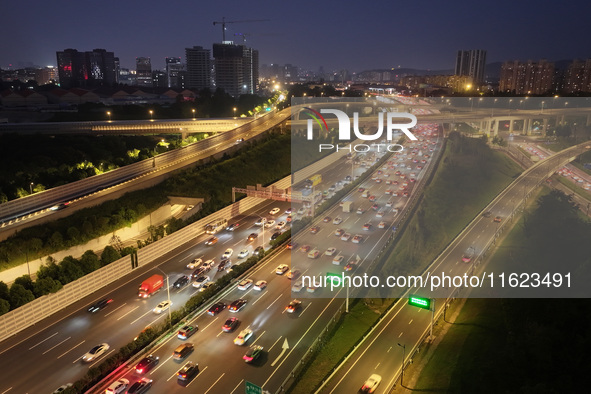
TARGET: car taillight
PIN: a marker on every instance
(246, 358)
(139, 370)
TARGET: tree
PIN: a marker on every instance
(3, 290)
(25, 281)
(109, 255)
(89, 262)
(56, 241)
(19, 296)
(4, 306)
(45, 286)
(69, 270)
(73, 234)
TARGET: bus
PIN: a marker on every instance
(313, 181)
(216, 226)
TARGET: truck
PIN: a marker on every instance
(313, 181)
(346, 205)
(150, 286)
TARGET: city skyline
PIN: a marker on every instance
(297, 36)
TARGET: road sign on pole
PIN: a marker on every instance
(421, 302)
(251, 388)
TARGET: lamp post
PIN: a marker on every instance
(193, 110)
(403, 357)
(109, 115)
(151, 113)
(31, 187)
(168, 292)
(234, 111)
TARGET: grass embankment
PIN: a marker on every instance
(471, 174)
(522, 345)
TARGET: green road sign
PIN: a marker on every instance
(252, 388)
(335, 279)
(420, 302)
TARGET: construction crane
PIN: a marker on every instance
(243, 35)
(224, 21)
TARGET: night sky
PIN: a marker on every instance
(339, 34)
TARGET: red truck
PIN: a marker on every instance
(150, 286)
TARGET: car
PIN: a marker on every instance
(297, 286)
(62, 388)
(227, 254)
(365, 194)
(290, 245)
(372, 198)
(367, 226)
(330, 251)
(289, 218)
(350, 266)
(338, 220)
(388, 192)
(361, 190)
(468, 255)
(357, 239)
(258, 250)
(187, 331)
(208, 265)
(237, 305)
(211, 241)
(252, 237)
(230, 324)
(59, 206)
(345, 237)
(245, 284)
(95, 352)
(232, 226)
(274, 211)
(200, 281)
(375, 207)
(206, 286)
(260, 285)
(487, 214)
(301, 211)
(382, 225)
(338, 259)
(293, 274)
(117, 387)
(288, 211)
(305, 248)
(224, 264)
(216, 308)
(498, 219)
(338, 232)
(293, 306)
(280, 225)
(371, 384)
(269, 224)
(281, 269)
(243, 253)
(243, 337)
(327, 219)
(164, 305)
(180, 282)
(140, 387)
(188, 371)
(194, 264)
(313, 254)
(275, 235)
(252, 353)
(360, 211)
(380, 213)
(260, 222)
(146, 364)
(97, 306)
(314, 229)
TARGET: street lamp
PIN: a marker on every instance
(193, 110)
(168, 292)
(151, 113)
(403, 357)
(234, 111)
(109, 115)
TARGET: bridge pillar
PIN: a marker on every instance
(560, 119)
(526, 126)
(545, 126)
(588, 122)
(496, 128)
(510, 126)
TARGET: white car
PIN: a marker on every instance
(337, 260)
(260, 222)
(164, 305)
(227, 254)
(95, 352)
(297, 286)
(194, 264)
(280, 225)
(338, 220)
(301, 211)
(205, 286)
(243, 253)
(260, 285)
(117, 387)
(281, 269)
(371, 384)
(245, 284)
(208, 264)
(274, 211)
(345, 237)
(269, 224)
(330, 251)
(243, 337)
(200, 281)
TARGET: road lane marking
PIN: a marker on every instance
(274, 301)
(32, 347)
(257, 338)
(72, 348)
(274, 344)
(235, 388)
(127, 313)
(284, 348)
(391, 346)
(174, 374)
(213, 321)
(377, 366)
(305, 309)
(214, 383)
(410, 321)
(401, 332)
(7, 390)
(257, 300)
(220, 333)
(54, 346)
(100, 358)
(150, 311)
(115, 310)
(199, 371)
(159, 365)
(155, 320)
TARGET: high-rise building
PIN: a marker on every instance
(127, 77)
(198, 68)
(86, 69)
(471, 63)
(236, 68)
(173, 67)
(578, 77)
(46, 75)
(143, 67)
(527, 77)
(159, 79)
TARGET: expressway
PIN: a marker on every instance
(42, 359)
(407, 325)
